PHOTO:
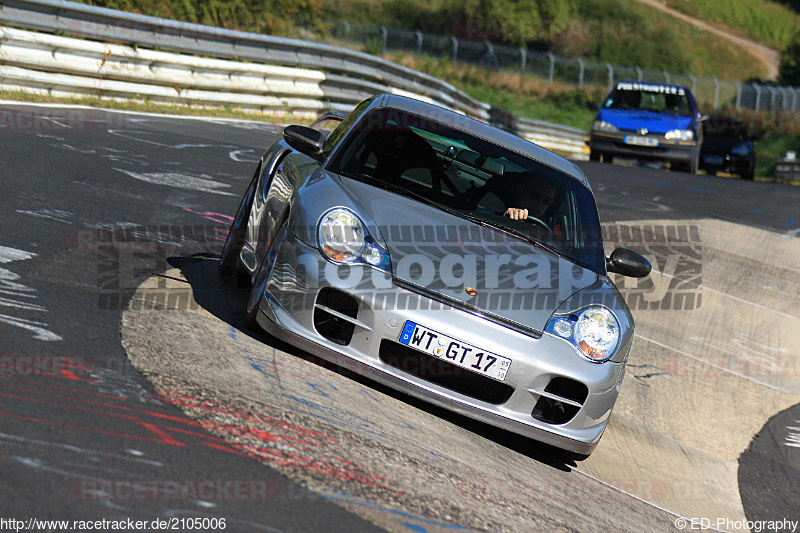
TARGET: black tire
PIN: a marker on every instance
(260, 282)
(595, 156)
(229, 267)
(750, 173)
(694, 164)
(607, 158)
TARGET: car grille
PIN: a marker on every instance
(560, 400)
(443, 373)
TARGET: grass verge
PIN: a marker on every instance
(773, 23)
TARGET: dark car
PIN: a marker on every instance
(648, 121)
(445, 258)
(727, 147)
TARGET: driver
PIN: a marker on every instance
(533, 198)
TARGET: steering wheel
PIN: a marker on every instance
(540, 222)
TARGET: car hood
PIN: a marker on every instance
(634, 119)
(441, 255)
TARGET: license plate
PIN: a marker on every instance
(454, 351)
(712, 159)
(639, 140)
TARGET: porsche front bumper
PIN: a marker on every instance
(287, 310)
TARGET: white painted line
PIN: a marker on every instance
(39, 328)
(723, 369)
(635, 497)
(8, 254)
(742, 300)
(181, 181)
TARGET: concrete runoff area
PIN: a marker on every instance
(702, 381)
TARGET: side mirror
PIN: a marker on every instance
(305, 140)
(628, 263)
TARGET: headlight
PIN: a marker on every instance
(602, 125)
(681, 135)
(742, 150)
(343, 238)
(594, 331)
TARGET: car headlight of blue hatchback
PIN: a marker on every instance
(593, 331)
(680, 135)
(602, 125)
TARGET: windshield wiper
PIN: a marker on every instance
(511, 231)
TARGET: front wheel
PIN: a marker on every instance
(262, 277)
(229, 267)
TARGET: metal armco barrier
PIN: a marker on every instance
(158, 59)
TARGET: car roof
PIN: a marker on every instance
(652, 84)
(482, 130)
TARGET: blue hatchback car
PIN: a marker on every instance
(648, 121)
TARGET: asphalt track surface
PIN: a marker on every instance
(75, 412)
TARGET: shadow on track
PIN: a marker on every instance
(228, 304)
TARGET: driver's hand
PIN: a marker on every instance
(515, 213)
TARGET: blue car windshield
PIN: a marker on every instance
(659, 98)
(475, 179)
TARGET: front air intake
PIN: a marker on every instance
(560, 401)
(335, 315)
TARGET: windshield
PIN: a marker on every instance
(475, 179)
(659, 98)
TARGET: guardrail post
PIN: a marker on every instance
(758, 96)
(454, 55)
(738, 95)
(419, 42)
(716, 92)
(580, 74)
(552, 66)
(346, 31)
(639, 72)
(610, 76)
(384, 36)
(771, 98)
(666, 76)
(523, 58)
(694, 83)
(490, 57)
(794, 99)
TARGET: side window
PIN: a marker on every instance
(344, 125)
(326, 125)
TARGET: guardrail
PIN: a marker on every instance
(787, 169)
(169, 61)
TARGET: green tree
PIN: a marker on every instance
(789, 72)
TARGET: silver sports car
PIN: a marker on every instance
(442, 257)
